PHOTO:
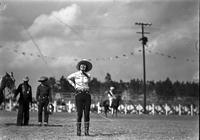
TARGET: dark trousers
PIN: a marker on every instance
(42, 107)
(23, 114)
(83, 102)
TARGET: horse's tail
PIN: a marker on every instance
(1, 96)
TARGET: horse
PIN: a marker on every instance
(105, 105)
(7, 82)
(114, 106)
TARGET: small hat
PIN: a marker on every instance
(111, 88)
(42, 79)
(85, 62)
(26, 78)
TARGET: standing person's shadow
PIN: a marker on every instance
(107, 134)
(49, 125)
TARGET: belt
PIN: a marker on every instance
(82, 91)
(44, 97)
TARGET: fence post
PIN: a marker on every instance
(191, 110)
(139, 108)
(69, 107)
(166, 110)
(153, 109)
(179, 110)
(125, 108)
(55, 106)
(98, 108)
(10, 105)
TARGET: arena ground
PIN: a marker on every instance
(62, 126)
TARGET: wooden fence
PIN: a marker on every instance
(152, 109)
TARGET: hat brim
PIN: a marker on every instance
(85, 62)
(112, 88)
(42, 80)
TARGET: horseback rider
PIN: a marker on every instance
(111, 95)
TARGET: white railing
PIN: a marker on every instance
(152, 109)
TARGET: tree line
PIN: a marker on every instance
(163, 90)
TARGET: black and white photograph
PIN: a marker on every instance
(99, 69)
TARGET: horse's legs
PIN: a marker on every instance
(112, 111)
(105, 110)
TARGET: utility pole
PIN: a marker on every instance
(144, 41)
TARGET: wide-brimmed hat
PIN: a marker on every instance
(111, 88)
(43, 78)
(26, 78)
(85, 62)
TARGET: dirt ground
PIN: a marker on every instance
(62, 126)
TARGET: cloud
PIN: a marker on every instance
(63, 61)
(9, 28)
(49, 35)
(3, 6)
(54, 24)
(27, 53)
(174, 35)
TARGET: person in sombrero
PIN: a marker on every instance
(79, 80)
(44, 98)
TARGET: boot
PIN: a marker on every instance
(78, 128)
(87, 129)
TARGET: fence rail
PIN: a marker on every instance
(152, 109)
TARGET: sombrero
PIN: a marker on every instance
(85, 62)
(42, 79)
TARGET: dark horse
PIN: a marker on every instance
(7, 81)
(114, 106)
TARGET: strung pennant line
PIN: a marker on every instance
(123, 56)
(33, 55)
(166, 55)
(117, 57)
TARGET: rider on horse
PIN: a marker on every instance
(111, 101)
(111, 95)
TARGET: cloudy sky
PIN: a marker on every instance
(40, 37)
